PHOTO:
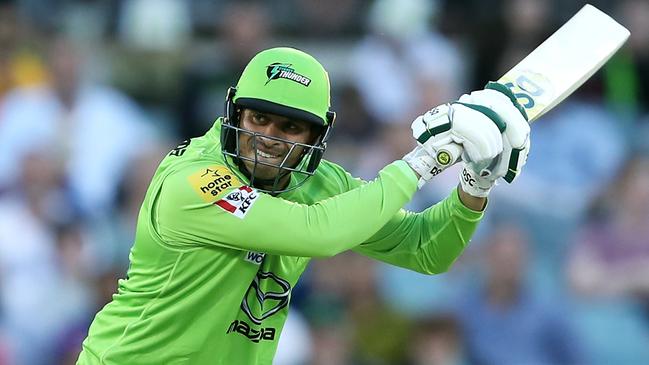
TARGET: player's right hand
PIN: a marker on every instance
(477, 179)
(516, 138)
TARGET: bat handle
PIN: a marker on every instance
(447, 156)
(450, 154)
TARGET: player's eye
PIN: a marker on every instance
(259, 118)
(291, 127)
(294, 128)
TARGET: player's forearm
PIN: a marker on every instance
(276, 226)
(427, 242)
(344, 221)
(470, 201)
(444, 243)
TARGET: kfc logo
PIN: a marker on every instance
(235, 196)
(239, 201)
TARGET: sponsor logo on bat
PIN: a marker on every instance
(531, 89)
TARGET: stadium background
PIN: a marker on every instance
(94, 93)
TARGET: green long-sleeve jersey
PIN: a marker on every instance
(214, 260)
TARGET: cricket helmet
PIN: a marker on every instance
(286, 82)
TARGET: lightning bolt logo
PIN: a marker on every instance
(278, 70)
(274, 69)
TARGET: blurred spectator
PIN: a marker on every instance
(577, 149)
(159, 25)
(5, 352)
(88, 22)
(93, 130)
(629, 71)
(246, 29)
(611, 255)
(295, 343)
(348, 317)
(114, 235)
(153, 39)
(19, 64)
(371, 316)
(324, 19)
(76, 289)
(403, 68)
(355, 128)
(70, 337)
(332, 344)
(355, 124)
(528, 23)
(641, 133)
(504, 320)
(391, 143)
(323, 305)
(437, 340)
(484, 37)
(609, 269)
(33, 269)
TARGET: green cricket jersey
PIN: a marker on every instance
(214, 260)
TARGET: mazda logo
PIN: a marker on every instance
(267, 295)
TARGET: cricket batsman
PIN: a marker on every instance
(231, 219)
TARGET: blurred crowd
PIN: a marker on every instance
(94, 93)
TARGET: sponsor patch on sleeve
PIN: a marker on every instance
(239, 201)
(210, 182)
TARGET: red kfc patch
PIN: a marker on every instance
(239, 201)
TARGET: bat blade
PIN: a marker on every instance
(565, 60)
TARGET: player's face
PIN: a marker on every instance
(268, 150)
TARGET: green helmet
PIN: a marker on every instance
(286, 82)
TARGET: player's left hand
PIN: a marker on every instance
(478, 179)
(450, 131)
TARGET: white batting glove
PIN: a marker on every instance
(450, 132)
(423, 163)
(477, 178)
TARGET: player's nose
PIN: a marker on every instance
(272, 129)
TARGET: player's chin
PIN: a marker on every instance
(262, 171)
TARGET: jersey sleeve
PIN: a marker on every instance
(428, 242)
(239, 217)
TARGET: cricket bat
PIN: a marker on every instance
(564, 61)
(557, 67)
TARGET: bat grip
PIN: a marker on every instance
(448, 155)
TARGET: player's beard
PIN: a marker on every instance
(267, 156)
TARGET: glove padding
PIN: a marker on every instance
(477, 178)
(456, 123)
(448, 131)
